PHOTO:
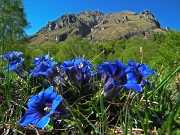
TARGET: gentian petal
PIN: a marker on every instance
(133, 85)
(30, 115)
(49, 94)
(55, 103)
(41, 123)
(37, 99)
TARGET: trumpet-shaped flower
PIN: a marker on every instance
(41, 107)
(15, 62)
(115, 76)
(46, 67)
(138, 68)
(78, 70)
(140, 72)
(11, 56)
(45, 59)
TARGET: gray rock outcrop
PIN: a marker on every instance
(148, 15)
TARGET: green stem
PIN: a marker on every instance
(79, 127)
(104, 120)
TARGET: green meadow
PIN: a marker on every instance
(154, 111)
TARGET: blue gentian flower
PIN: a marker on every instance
(78, 70)
(114, 76)
(11, 56)
(46, 67)
(45, 59)
(138, 68)
(140, 72)
(15, 62)
(41, 108)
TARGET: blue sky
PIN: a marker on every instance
(39, 12)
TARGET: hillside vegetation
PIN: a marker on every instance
(157, 50)
(153, 110)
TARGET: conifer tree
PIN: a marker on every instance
(12, 22)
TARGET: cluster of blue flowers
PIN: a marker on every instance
(113, 75)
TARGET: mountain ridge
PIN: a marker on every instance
(99, 26)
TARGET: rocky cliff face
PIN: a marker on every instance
(78, 24)
(100, 26)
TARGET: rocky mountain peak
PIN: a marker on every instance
(102, 27)
(69, 20)
(147, 14)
